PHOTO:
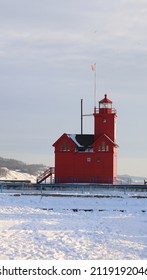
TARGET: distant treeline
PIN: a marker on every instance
(14, 164)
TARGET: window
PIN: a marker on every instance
(98, 159)
(104, 120)
(89, 150)
(64, 147)
(105, 105)
(103, 147)
(68, 148)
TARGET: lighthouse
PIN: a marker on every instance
(105, 135)
(89, 158)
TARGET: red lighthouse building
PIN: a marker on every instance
(89, 158)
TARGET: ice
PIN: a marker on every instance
(52, 227)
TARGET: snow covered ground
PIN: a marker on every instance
(72, 228)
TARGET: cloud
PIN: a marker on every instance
(46, 51)
(77, 29)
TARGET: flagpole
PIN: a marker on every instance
(94, 69)
(95, 87)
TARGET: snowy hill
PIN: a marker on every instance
(6, 174)
(12, 169)
(13, 164)
(127, 179)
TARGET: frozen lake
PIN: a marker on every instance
(71, 228)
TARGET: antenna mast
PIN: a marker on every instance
(81, 116)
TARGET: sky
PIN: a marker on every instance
(47, 48)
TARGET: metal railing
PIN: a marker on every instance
(47, 173)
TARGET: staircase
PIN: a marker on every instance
(47, 173)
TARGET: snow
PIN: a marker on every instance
(73, 137)
(7, 174)
(38, 226)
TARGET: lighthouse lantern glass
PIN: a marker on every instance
(106, 105)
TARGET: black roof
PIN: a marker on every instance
(83, 141)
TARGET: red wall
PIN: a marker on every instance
(74, 167)
(108, 127)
